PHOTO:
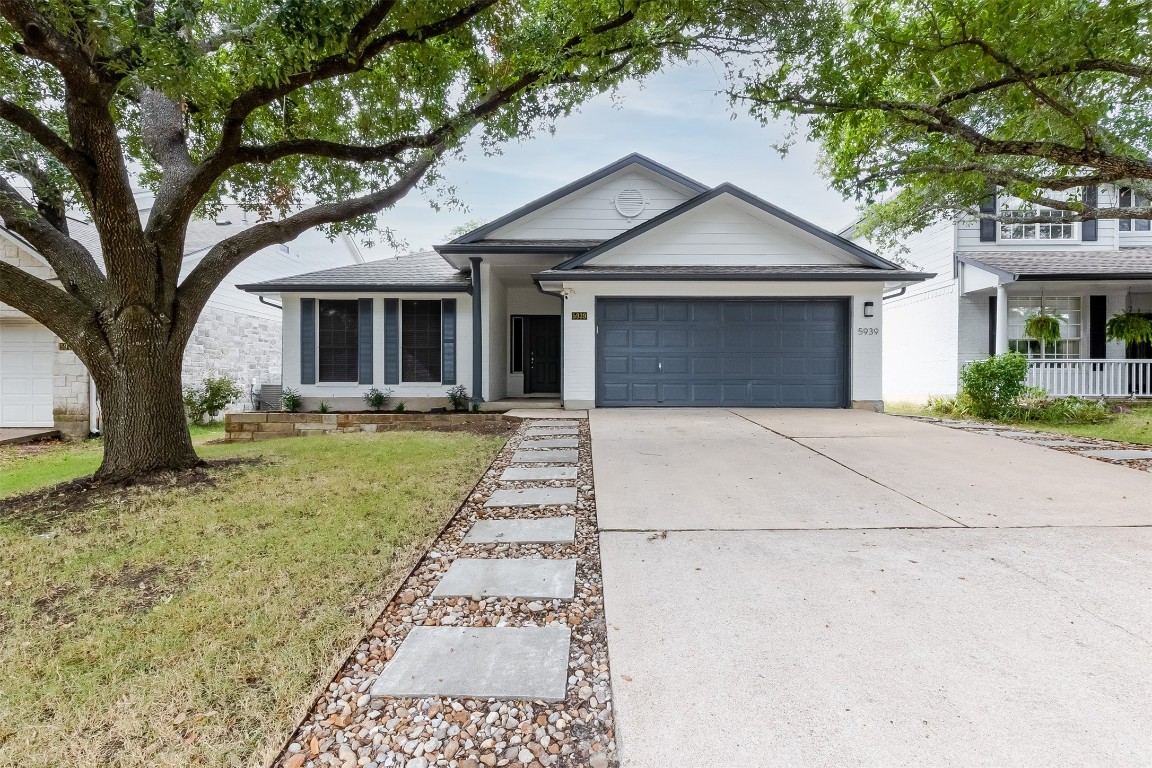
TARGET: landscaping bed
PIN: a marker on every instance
(243, 427)
(347, 727)
(187, 623)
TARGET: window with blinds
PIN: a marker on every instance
(420, 335)
(337, 338)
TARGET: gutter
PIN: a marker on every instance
(265, 301)
(882, 275)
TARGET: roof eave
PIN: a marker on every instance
(480, 248)
(354, 287)
(880, 275)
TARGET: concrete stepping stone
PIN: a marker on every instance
(549, 456)
(550, 424)
(530, 578)
(973, 425)
(545, 431)
(550, 530)
(532, 497)
(520, 474)
(479, 663)
(1062, 443)
(560, 442)
(1120, 453)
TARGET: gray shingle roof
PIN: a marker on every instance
(766, 272)
(1034, 265)
(424, 270)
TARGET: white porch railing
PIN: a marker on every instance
(1092, 378)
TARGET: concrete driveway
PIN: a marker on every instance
(842, 588)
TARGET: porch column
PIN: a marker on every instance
(477, 334)
(1001, 319)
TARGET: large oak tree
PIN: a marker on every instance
(312, 112)
(921, 106)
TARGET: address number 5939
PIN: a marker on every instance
(867, 331)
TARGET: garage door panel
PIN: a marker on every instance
(27, 355)
(758, 352)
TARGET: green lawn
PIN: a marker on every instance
(1135, 427)
(177, 627)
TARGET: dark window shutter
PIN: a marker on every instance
(1125, 202)
(448, 342)
(365, 356)
(988, 226)
(1097, 320)
(1089, 229)
(391, 341)
(307, 341)
(991, 325)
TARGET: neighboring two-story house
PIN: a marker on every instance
(44, 384)
(991, 276)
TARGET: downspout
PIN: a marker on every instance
(477, 334)
(563, 305)
(896, 295)
(269, 303)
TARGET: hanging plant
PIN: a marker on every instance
(1042, 327)
(1129, 327)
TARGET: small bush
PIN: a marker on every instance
(458, 397)
(948, 405)
(211, 396)
(475, 407)
(991, 386)
(324, 407)
(290, 400)
(400, 407)
(376, 399)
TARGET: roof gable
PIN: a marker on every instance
(732, 227)
(540, 219)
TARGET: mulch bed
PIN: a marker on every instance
(348, 728)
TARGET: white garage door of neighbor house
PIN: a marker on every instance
(26, 354)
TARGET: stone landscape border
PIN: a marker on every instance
(244, 427)
(348, 728)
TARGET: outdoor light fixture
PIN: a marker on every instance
(868, 306)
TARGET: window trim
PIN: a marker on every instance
(400, 339)
(1041, 303)
(355, 380)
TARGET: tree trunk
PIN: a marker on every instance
(142, 407)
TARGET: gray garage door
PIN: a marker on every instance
(712, 352)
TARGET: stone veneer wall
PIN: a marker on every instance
(244, 347)
(240, 427)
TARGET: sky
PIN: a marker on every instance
(676, 117)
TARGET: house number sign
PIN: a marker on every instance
(579, 315)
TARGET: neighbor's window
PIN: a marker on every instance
(517, 356)
(1067, 308)
(1053, 228)
(337, 340)
(420, 340)
(1130, 198)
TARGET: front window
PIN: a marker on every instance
(420, 354)
(338, 338)
(1065, 308)
(1130, 198)
(1053, 227)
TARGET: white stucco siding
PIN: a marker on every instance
(346, 395)
(590, 213)
(724, 231)
(580, 335)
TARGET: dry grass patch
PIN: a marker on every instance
(193, 625)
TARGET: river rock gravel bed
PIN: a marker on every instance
(348, 728)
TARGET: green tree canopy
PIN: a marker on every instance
(921, 106)
(309, 112)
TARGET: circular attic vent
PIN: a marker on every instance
(629, 203)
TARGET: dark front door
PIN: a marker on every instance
(543, 347)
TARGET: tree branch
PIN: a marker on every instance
(76, 163)
(60, 312)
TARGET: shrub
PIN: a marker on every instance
(475, 407)
(376, 399)
(992, 385)
(1035, 405)
(324, 407)
(400, 407)
(458, 397)
(948, 405)
(290, 399)
(211, 396)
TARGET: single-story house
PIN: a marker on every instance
(632, 286)
(991, 276)
(44, 384)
